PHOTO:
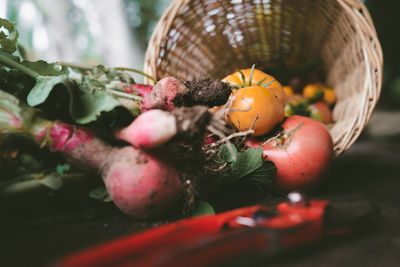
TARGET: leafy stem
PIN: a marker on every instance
(74, 66)
(86, 68)
(7, 61)
(137, 71)
(123, 94)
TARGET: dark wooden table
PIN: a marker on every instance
(50, 227)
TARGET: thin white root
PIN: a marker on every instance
(270, 139)
(221, 135)
(227, 138)
(220, 168)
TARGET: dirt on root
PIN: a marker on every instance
(208, 92)
(192, 121)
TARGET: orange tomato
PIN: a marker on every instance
(313, 90)
(329, 96)
(288, 90)
(319, 91)
(258, 76)
(258, 105)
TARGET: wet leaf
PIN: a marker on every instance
(8, 40)
(44, 87)
(247, 162)
(224, 153)
(52, 181)
(265, 174)
(46, 69)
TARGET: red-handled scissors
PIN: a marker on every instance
(229, 238)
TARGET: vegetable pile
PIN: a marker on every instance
(173, 144)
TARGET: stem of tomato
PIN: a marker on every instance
(268, 83)
(284, 139)
(261, 81)
(243, 78)
(251, 74)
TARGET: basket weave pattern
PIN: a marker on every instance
(213, 38)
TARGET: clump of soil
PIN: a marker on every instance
(208, 92)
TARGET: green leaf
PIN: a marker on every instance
(247, 162)
(45, 69)
(224, 153)
(265, 174)
(8, 41)
(100, 193)
(86, 102)
(203, 208)
(43, 88)
(90, 103)
(95, 83)
(15, 82)
(9, 103)
(10, 112)
(52, 181)
(63, 168)
(302, 108)
(318, 95)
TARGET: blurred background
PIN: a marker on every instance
(116, 33)
(89, 32)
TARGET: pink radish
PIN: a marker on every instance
(150, 129)
(141, 89)
(155, 127)
(167, 94)
(141, 184)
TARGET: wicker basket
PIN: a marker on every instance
(212, 38)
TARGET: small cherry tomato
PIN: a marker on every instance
(297, 105)
(320, 112)
(317, 91)
(288, 90)
(313, 91)
(329, 96)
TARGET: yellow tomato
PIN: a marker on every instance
(258, 76)
(320, 91)
(288, 90)
(255, 105)
(329, 96)
(313, 90)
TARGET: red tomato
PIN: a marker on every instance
(301, 153)
(321, 112)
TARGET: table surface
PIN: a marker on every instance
(50, 227)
